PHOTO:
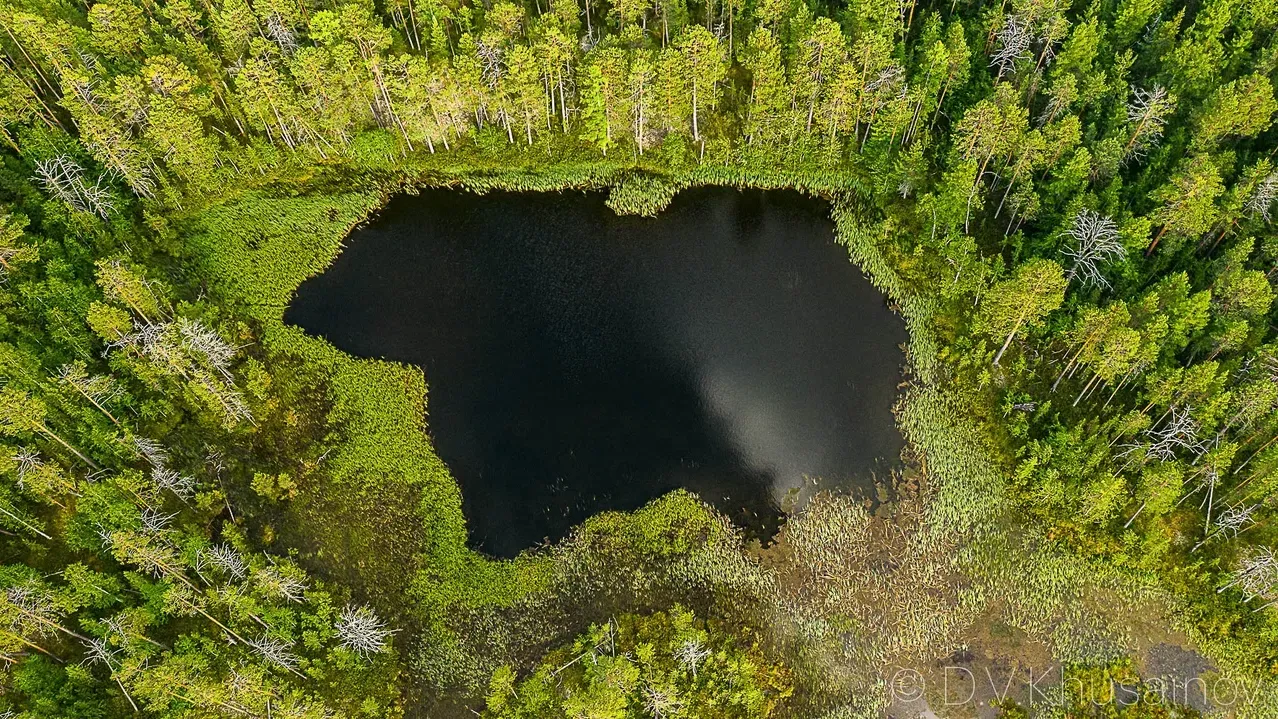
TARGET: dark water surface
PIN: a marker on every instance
(579, 361)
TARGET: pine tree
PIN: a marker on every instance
(769, 101)
(1242, 108)
(1034, 290)
(1189, 198)
(596, 127)
(706, 62)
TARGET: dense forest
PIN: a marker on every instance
(206, 513)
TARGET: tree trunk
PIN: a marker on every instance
(1135, 135)
(639, 122)
(19, 520)
(696, 134)
(563, 105)
(1150, 250)
(1137, 514)
(1010, 335)
(49, 433)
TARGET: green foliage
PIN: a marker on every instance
(172, 172)
(1035, 289)
(666, 664)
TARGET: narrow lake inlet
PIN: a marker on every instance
(579, 361)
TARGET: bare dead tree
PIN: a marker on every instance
(691, 654)
(224, 558)
(362, 631)
(1234, 519)
(661, 703)
(275, 651)
(1269, 362)
(182, 486)
(199, 338)
(244, 680)
(190, 350)
(1179, 433)
(158, 344)
(1147, 111)
(1094, 242)
(98, 651)
(295, 707)
(278, 32)
(490, 58)
(200, 341)
(156, 522)
(33, 612)
(1230, 522)
(152, 451)
(1057, 102)
(30, 610)
(116, 624)
(1014, 41)
(1256, 576)
(276, 583)
(229, 398)
(66, 180)
(28, 460)
(99, 390)
(84, 88)
(1262, 200)
(890, 78)
(1208, 480)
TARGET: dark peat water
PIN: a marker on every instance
(580, 362)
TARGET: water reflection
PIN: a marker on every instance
(579, 361)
